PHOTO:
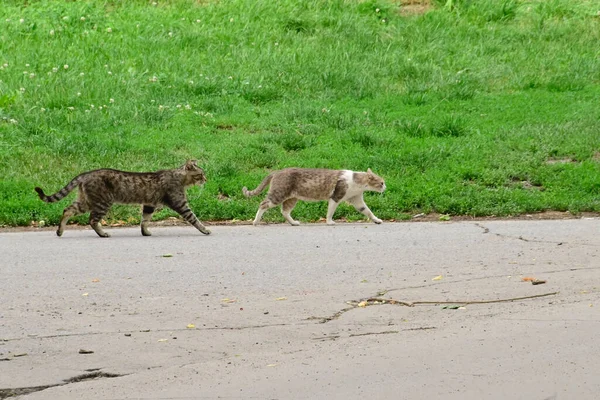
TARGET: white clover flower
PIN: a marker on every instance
(65, 18)
(230, 19)
(191, 82)
(276, 44)
(178, 105)
(188, 107)
(7, 19)
(5, 65)
(78, 94)
(105, 65)
(51, 32)
(231, 77)
(153, 79)
(82, 18)
(377, 10)
(71, 108)
(25, 72)
(13, 121)
(197, 21)
(154, 3)
(55, 69)
(21, 20)
(109, 30)
(42, 109)
(383, 21)
(22, 90)
(161, 107)
(31, 75)
(111, 100)
(27, 65)
(171, 34)
(66, 66)
(81, 73)
(110, 73)
(92, 106)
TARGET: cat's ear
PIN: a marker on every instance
(369, 170)
(191, 164)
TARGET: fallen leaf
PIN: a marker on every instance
(163, 340)
(190, 326)
(438, 278)
(538, 282)
(85, 294)
(271, 365)
(445, 217)
(528, 279)
(84, 351)
(226, 300)
(19, 355)
(95, 280)
(364, 281)
(167, 255)
(451, 307)
(281, 298)
(362, 304)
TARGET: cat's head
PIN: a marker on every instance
(194, 175)
(375, 182)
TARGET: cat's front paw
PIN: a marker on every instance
(295, 223)
(332, 222)
(206, 231)
(377, 220)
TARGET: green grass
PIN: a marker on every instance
(463, 109)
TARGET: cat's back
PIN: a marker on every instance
(307, 183)
(125, 186)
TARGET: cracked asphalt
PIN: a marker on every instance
(281, 312)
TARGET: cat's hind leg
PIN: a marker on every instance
(286, 209)
(264, 206)
(359, 203)
(96, 215)
(147, 212)
(77, 208)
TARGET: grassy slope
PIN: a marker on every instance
(459, 110)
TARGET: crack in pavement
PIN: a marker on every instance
(335, 337)
(12, 392)
(487, 230)
(228, 328)
(448, 282)
(375, 301)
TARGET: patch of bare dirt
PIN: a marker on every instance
(415, 7)
(563, 160)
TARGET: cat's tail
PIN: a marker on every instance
(260, 187)
(61, 194)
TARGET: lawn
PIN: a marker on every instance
(484, 107)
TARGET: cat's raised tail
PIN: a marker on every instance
(61, 194)
(265, 182)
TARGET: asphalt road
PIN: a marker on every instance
(280, 312)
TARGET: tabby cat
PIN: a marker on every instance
(293, 184)
(101, 188)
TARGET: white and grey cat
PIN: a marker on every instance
(293, 184)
